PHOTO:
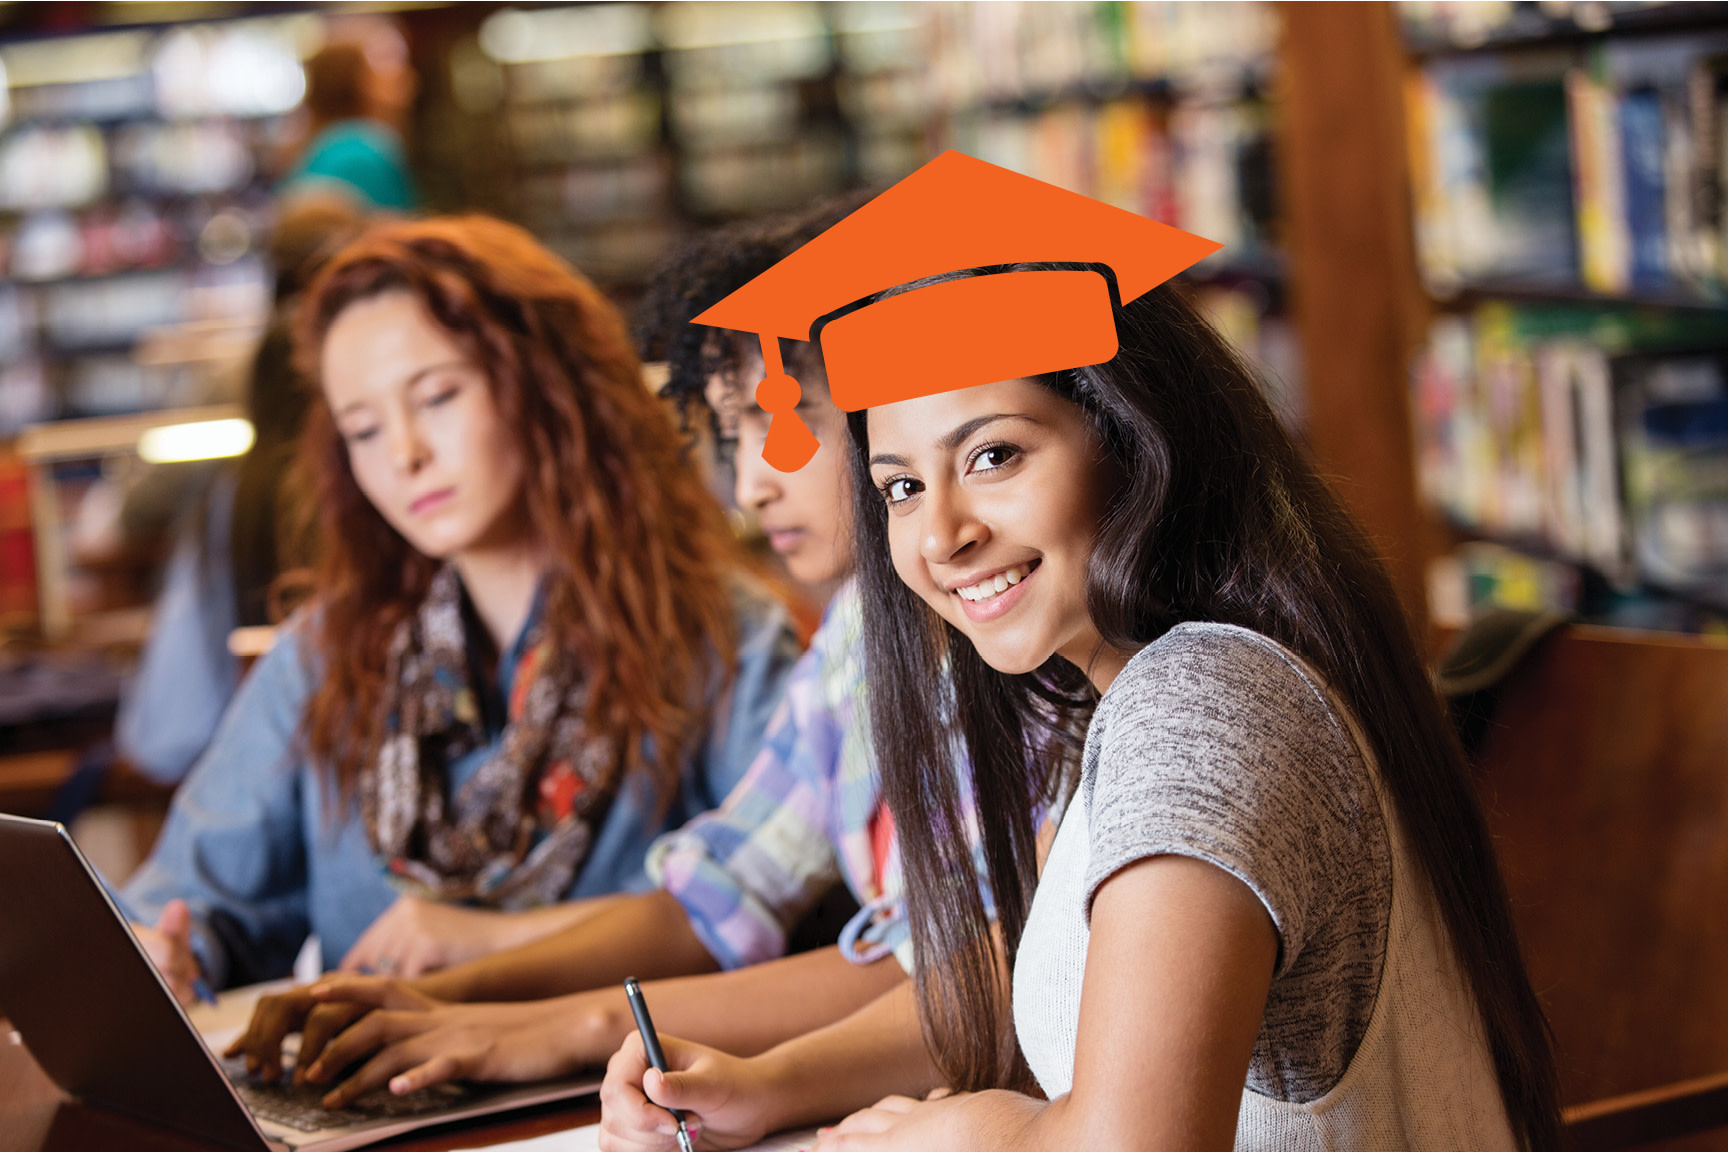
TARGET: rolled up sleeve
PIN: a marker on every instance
(233, 845)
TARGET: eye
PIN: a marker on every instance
(360, 435)
(993, 456)
(443, 396)
(900, 489)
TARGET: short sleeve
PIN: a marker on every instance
(1214, 744)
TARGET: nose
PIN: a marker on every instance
(757, 482)
(950, 530)
(408, 449)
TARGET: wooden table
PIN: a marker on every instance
(35, 1116)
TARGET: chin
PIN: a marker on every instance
(1010, 661)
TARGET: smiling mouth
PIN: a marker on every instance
(993, 586)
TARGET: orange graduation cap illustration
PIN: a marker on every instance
(954, 214)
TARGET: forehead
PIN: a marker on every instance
(731, 387)
(918, 424)
(385, 341)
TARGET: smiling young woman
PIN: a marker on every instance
(1271, 880)
(1271, 915)
(531, 649)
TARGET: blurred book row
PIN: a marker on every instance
(1597, 169)
(1442, 26)
(1588, 437)
(134, 173)
(623, 125)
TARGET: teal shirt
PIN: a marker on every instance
(365, 156)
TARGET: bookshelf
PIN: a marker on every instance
(135, 171)
(614, 131)
(1524, 217)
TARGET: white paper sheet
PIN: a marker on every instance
(588, 1140)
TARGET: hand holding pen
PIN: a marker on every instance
(656, 1057)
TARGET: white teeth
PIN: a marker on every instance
(994, 585)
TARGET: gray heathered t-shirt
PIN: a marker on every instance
(1217, 743)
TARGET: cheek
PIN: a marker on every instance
(372, 476)
(909, 564)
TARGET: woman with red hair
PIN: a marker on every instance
(531, 648)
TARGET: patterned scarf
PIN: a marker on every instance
(516, 832)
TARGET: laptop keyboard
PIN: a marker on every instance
(297, 1106)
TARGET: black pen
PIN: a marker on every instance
(651, 1041)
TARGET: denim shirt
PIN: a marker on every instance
(252, 845)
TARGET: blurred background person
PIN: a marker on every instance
(358, 92)
(239, 536)
(532, 648)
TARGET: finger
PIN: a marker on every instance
(837, 1140)
(418, 958)
(373, 1075)
(938, 1094)
(324, 1023)
(272, 1019)
(623, 1103)
(693, 1091)
(899, 1105)
(435, 1071)
(176, 920)
(373, 1032)
(871, 1120)
(371, 991)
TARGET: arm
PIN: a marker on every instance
(646, 936)
(416, 936)
(1177, 973)
(744, 1011)
(232, 847)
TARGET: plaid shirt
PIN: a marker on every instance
(802, 818)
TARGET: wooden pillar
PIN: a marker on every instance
(1355, 296)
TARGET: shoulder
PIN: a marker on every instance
(1215, 675)
(355, 137)
(1219, 722)
(759, 616)
(840, 637)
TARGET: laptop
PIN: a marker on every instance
(103, 1025)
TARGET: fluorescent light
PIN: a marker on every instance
(515, 36)
(204, 440)
(74, 59)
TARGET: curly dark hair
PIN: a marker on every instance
(704, 272)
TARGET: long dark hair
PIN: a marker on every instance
(1219, 517)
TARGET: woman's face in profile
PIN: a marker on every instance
(806, 516)
(425, 439)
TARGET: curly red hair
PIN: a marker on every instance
(639, 551)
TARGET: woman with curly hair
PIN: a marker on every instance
(531, 648)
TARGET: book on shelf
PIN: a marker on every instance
(1673, 440)
(1590, 436)
(1597, 169)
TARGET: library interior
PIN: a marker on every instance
(410, 629)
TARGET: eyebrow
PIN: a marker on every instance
(954, 438)
(418, 376)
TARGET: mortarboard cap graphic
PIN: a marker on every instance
(953, 214)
